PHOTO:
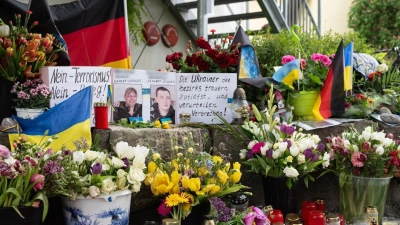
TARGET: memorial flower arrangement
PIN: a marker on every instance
(281, 150)
(32, 94)
(366, 154)
(100, 172)
(31, 174)
(22, 53)
(190, 178)
(222, 58)
(360, 105)
(314, 70)
(224, 216)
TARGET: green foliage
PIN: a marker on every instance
(135, 8)
(377, 21)
(270, 48)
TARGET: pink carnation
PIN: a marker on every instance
(357, 159)
(287, 58)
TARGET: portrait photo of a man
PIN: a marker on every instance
(130, 105)
(162, 100)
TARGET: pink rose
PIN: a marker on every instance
(38, 179)
(4, 152)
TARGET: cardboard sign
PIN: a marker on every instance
(203, 94)
(65, 81)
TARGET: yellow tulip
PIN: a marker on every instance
(222, 176)
(235, 177)
(227, 167)
(212, 181)
(152, 166)
(236, 166)
(214, 189)
(149, 179)
(217, 159)
(175, 177)
(185, 182)
(161, 184)
(194, 184)
(175, 189)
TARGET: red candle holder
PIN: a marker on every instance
(101, 115)
(316, 218)
(320, 204)
(275, 216)
(306, 208)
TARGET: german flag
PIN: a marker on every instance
(331, 98)
(95, 32)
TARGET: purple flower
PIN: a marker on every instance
(67, 152)
(256, 217)
(97, 168)
(289, 130)
(224, 213)
(126, 162)
(269, 153)
(283, 128)
(4, 152)
(52, 168)
(289, 143)
(321, 147)
(249, 154)
(29, 160)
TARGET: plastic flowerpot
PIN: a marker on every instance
(304, 103)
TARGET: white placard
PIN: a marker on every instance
(203, 94)
(64, 81)
(145, 83)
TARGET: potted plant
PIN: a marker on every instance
(104, 183)
(190, 178)
(33, 97)
(30, 175)
(365, 162)
(222, 58)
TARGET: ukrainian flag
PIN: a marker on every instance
(69, 120)
(348, 67)
(288, 73)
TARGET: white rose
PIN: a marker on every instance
(327, 156)
(139, 161)
(117, 163)
(366, 135)
(121, 173)
(122, 148)
(276, 154)
(108, 186)
(78, 157)
(290, 171)
(91, 155)
(315, 138)
(301, 158)
(243, 153)
(94, 191)
(380, 150)
(294, 150)
(135, 174)
(251, 144)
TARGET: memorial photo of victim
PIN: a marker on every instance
(162, 102)
(127, 101)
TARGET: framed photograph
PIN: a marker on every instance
(128, 101)
(162, 103)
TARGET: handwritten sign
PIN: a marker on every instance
(203, 94)
(66, 81)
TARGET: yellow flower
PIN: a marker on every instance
(211, 189)
(222, 176)
(152, 166)
(217, 159)
(149, 179)
(156, 156)
(185, 182)
(289, 158)
(187, 206)
(235, 177)
(236, 166)
(194, 184)
(190, 150)
(179, 154)
(165, 126)
(175, 177)
(157, 124)
(175, 164)
(212, 181)
(202, 171)
(175, 199)
(176, 147)
(227, 167)
(276, 145)
(161, 184)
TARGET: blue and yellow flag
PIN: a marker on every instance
(69, 120)
(348, 67)
(288, 73)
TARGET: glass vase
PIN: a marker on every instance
(355, 193)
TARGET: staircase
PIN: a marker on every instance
(253, 14)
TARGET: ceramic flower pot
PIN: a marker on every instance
(28, 113)
(105, 209)
(304, 103)
(358, 192)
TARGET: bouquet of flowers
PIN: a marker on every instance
(360, 105)
(314, 70)
(22, 53)
(32, 94)
(31, 174)
(190, 178)
(99, 172)
(224, 216)
(224, 57)
(366, 154)
(281, 150)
